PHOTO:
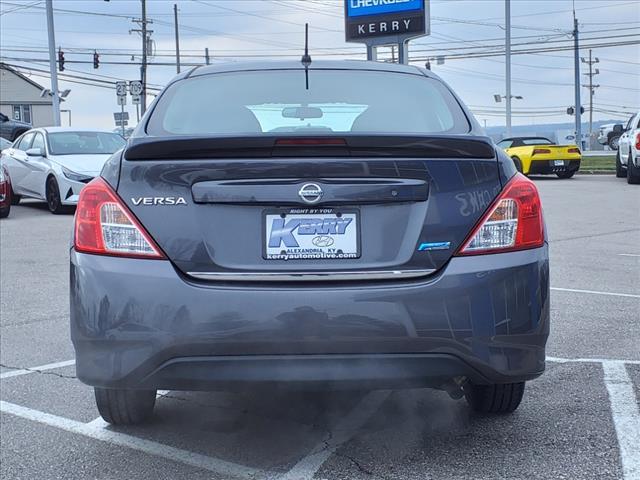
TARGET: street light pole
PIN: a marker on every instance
(507, 41)
(53, 70)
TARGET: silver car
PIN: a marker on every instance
(55, 163)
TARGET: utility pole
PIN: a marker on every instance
(143, 67)
(175, 19)
(145, 43)
(592, 89)
(53, 70)
(507, 42)
(576, 61)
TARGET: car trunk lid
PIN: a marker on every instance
(235, 208)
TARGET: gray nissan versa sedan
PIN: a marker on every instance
(345, 225)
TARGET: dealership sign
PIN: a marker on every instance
(380, 22)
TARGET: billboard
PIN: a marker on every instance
(385, 21)
(358, 8)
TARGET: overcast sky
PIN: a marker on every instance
(233, 29)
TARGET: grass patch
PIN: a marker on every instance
(598, 162)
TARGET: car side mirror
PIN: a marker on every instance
(3, 118)
(35, 152)
(618, 128)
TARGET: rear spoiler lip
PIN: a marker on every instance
(357, 146)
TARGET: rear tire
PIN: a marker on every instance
(517, 163)
(497, 398)
(125, 407)
(621, 171)
(566, 174)
(4, 212)
(633, 172)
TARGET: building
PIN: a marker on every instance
(21, 98)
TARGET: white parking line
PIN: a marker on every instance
(596, 292)
(41, 368)
(346, 428)
(222, 467)
(629, 254)
(626, 417)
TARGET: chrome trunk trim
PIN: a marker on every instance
(328, 276)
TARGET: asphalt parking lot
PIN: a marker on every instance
(578, 421)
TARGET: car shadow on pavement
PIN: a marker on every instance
(42, 206)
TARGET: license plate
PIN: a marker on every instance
(311, 234)
(558, 163)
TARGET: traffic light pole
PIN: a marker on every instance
(55, 97)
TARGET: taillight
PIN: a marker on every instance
(105, 226)
(513, 222)
(574, 150)
(638, 141)
(540, 151)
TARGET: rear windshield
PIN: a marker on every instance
(84, 143)
(277, 101)
(536, 141)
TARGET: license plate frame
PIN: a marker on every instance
(321, 252)
(558, 163)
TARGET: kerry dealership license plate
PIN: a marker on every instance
(311, 233)
(558, 163)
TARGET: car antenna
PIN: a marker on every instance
(306, 58)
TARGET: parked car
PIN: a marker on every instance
(55, 163)
(536, 155)
(12, 129)
(5, 192)
(609, 134)
(260, 228)
(627, 161)
(5, 182)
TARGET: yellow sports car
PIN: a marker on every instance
(533, 155)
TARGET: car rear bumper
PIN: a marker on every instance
(141, 324)
(549, 166)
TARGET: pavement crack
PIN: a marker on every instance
(42, 372)
(591, 235)
(360, 467)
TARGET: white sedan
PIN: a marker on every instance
(55, 163)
